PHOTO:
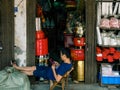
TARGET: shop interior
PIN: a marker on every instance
(63, 24)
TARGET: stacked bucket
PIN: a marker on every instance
(78, 57)
(41, 50)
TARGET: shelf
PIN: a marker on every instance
(107, 0)
(109, 28)
(109, 45)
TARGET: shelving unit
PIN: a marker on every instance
(108, 41)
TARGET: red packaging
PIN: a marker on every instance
(41, 47)
(79, 41)
(99, 57)
(77, 54)
(110, 58)
(40, 34)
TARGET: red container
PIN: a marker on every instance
(77, 54)
(40, 34)
(79, 41)
(41, 47)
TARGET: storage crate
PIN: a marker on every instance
(111, 80)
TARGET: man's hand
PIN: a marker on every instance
(53, 66)
(56, 63)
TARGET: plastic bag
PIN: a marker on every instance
(12, 79)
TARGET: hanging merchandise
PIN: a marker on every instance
(45, 4)
(68, 40)
(75, 27)
(39, 13)
(70, 23)
(70, 3)
(79, 30)
(41, 46)
(78, 54)
(79, 41)
(40, 34)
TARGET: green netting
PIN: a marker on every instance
(12, 79)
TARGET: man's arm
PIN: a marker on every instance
(57, 77)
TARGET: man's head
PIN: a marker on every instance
(64, 53)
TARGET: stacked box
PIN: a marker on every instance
(110, 80)
(108, 76)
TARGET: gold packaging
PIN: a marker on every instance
(78, 72)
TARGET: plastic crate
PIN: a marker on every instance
(110, 80)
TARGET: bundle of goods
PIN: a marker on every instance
(108, 38)
(110, 23)
(109, 54)
(114, 22)
(12, 79)
(104, 23)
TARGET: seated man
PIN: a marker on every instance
(49, 73)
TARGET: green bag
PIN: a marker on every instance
(12, 79)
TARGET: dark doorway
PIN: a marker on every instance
(6, 32)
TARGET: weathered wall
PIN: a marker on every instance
(20, 32)
(6, 32)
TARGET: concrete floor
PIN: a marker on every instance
(73, 86)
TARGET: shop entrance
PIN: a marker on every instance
(63, 23)
(90, 62)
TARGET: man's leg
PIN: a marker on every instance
(25, 69)
(29, 73)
